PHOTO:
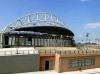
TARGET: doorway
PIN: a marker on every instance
(47, 65)
(29, 40)
(6, 40)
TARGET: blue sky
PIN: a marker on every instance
(80, 16)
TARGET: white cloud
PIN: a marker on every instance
(92, 25)
(84, 0)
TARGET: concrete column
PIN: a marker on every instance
(50, 42)
(33, 41)
(57, 63)
(1, 40)
(13, 40)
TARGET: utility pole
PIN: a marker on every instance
(87, 38)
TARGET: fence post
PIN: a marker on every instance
(23, 52)
(5, 53)
(45, 51)
(28, 52)
(65, 51)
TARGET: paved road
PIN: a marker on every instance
(88, 71)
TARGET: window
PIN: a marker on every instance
(74, 63)
(81, 62)
(88, 61)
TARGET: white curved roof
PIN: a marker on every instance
(35, 19)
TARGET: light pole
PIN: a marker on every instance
(87, 38)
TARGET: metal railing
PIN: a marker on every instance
(70, 52)
(61, 52)
(17, 52)
(84, 46)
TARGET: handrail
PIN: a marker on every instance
(61, 52)
(17, 52)
(70, 52)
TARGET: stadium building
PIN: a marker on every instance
(39, 30)
(52, 42)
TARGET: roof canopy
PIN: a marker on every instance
(48, 29)
(39, 22)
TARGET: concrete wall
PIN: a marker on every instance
(51, 60)
(63, 63)
(19, 63)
